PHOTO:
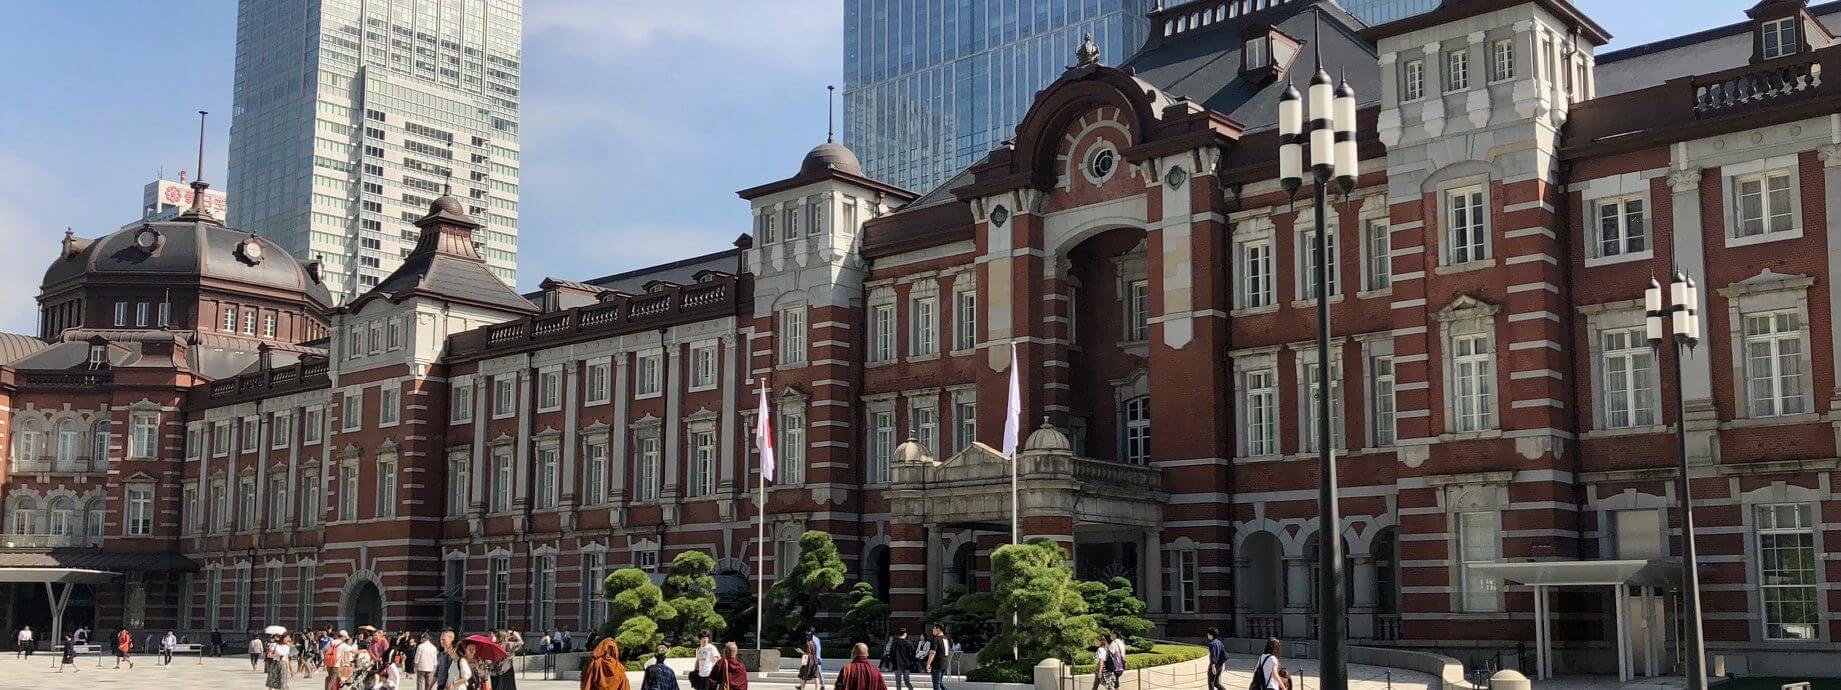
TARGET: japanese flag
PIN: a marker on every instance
(763, 437)
(1013, 412)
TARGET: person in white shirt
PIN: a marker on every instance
(460, 667)
(278, 655)
(1268, 673)
(1116, 649)
(707, 658)
(426, 655)
(1103, 677)
(25, 642)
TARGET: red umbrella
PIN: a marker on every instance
(485, 649)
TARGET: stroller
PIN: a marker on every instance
(366, 670)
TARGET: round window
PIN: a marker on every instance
(1101, 162)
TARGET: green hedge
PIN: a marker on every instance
(1023, 671)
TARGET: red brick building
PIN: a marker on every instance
(442, 450)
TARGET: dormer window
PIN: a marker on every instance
(98, 356)
(1777, 38)
(1265, 52)
(1258, 52)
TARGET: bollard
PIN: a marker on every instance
(1510, 680)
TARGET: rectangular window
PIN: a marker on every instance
(1621, 228)
(1255, 273)
(1313, 387)
(925, 328)
(348, 492)
(1381, 406)
(121, 314)
(140, 511)
(144, 435)
(1787, 577)
(849, 219)
(459, 484)
(354, 345)
(353, 410)
(395, 337)
(549, 390)
(312, 425)
(268, 325)
(502, 479)
(498, 592)
(304, 592)
(1457, 70)
(460, 401)
(1473, 386)
(881, 445)
(310, 506)
(965, 327)
(1261, 416)
(1774, 363)
(594, 479)
(543, 576)
(649, 472)
(1465, 235)
(271, 600)
(246, 504)
(924, 424)
(1187, 580)
(242, 607)
(1763, 204)
(377, 336)
(214, 591)
(814, 217)
(1137, 300)
(166, 313)
(250, 436)
(1412, 80)
(594, 605)
(1379, 246)
(965, 420)
(765, 223)
(598, 382)
(230, 317)
(220, 439)
(548, 466)
(1477, 543)
(882, 333)
(281, 429)
(1137, 440)
(386, 488)
(1779, 38)
(143, 312)
(703, 367)
(1629, 379)
(1256, 52)
(702, 464)
(792, 336)
(191, 519)
(1308, 262)
(504, 395)
(1503, 57)
(249, 321)
(389, 405)
(648, 374)
(792, 447)
(277, 501)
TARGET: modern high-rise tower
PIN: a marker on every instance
(337, 145)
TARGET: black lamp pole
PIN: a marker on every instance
(1331, 133)
(1680, 310)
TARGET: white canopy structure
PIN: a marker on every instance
(1619, 575)
(52, 577)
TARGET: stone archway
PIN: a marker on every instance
(363, 603)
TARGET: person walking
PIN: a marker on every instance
(426, 655)
(811, 670)
(1268, 673)
(898, 656)
(1217, 658)
(123, 644)
(605, 670)
(707, 658)
(168, 645)
(217, 642)
(658, 675)
(859, 674)
(1116, 646)
(276, 660)
(938, 650)
(25, 643)
(70, 654)
(256, 650)
(731, 673)
(1103, 677)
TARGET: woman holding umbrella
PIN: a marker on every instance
(277, 656)
(604, 670)
(481, 654)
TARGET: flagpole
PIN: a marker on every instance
(760, 543)
(1013, 432)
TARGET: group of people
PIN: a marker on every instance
(905, 656)
(1268, 672)
(124, 644)
(374, 660)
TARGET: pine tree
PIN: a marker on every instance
(690, 590)
(867, 619)
(1041, 612)
(797, 599)
(635, 610)
(1116, 607)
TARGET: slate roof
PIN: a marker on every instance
(87, 559)
(217, 355)
(445, 265)
(681, 272)
(14, 346)
(187, 247)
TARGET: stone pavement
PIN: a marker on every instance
(233, 673)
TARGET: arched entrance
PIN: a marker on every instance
(364, 605)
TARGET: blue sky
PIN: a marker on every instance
(641, 118)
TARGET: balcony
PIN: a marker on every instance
(1724, 92)
(309, 372)
(714, 295)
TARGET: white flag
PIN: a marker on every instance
(1013, 412)
(763, 437)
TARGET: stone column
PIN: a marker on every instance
(1362, 605)
(294, 432)
(674, 432)
(262, 444)
(571, 449)
(521, 458)
(935, 564)
(1689, 237)
(726, 463)
(1830, 156)
(476, 479)
(618, 463)
(1153, 571)
(1297, 597)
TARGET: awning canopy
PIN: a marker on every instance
(92, 559)
(62, 576)
(1657, 572)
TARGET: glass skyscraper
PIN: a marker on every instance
(337, 143)
(930, 86)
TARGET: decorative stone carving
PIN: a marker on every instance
(1684, 180)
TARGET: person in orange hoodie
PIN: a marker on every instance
(605, 670)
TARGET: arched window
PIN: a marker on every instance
(29, 445)
(63, 514)
(1137, 438)
(99, 440)
(92, 518)
(67, 443)
(23, 518)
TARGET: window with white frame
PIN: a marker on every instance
(1259, 412)
(121, 315)
(310, 506)
(348, 492)
(1188, 578)
(354, 342)
(304, 589)
(1763, 203)
(646, 558)
(394, 337)
(144, 435)
(504, 395)
(249, 435)
(594, 477)
(277, 501)
(353, 411)
(765, 226)
(1777, 38)
(502, 479)
(703, 368)
(1381, 419)
(140, 510)
(190, 516)
(1466, 233)
(1412, 80)
(1255, 52)
(498, 591)
(194, 442)
(881, 444)
(1255, 259)
(596, 381)
(377, 337)
(1137, 303)
(1503, 59)
(926, 327)
(271, 601)
(1629, 367)
(648, 374)
(220, 438)
(1457, 70)
(965, 328)
(548, 466)
(1379, 264)
(1473, 383)
(229, 324)
(1774, 363)
(1308, 262)
(549, 390)
(389, 405)
(1311, 389)
(543, 577)
(702, 464)
(882, 333)
(965, 419)
(847, 222)
(649, 471)
(791, 448)
(386, 488)
(312, 425)
(460, 401)
(143, 313)
(459, 483)
(101, 435)
(281, 429)
(924, 424)
(1137, 436)
(268, 325)
(1621, 226)
(1787, 571)
(792, 335)
(594, 572)
(1477, 536)
(242, 602)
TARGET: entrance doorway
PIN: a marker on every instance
(365, 606)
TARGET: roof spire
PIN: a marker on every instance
(830, 110)
(198, 211)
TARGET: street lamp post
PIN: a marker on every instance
(1331, 133)
(1681, 312)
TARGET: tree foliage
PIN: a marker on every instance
(636, 608)
(970, 618)
(1116, 607)
(1041, 612)
(796, 600)
(690, 590)
(866, 618)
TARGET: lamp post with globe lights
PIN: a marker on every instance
(1333, 157)
(1679, 311)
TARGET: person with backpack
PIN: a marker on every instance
(1217, 658)
(1103, 676)
(1268, 673)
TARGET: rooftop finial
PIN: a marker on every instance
(830, 125)
(1316, 33)
(201, 152)
(1088, 52)
(198, 211)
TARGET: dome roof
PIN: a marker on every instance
(830, 156)
(185, 248)
(1048, 439)
(447, 204)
